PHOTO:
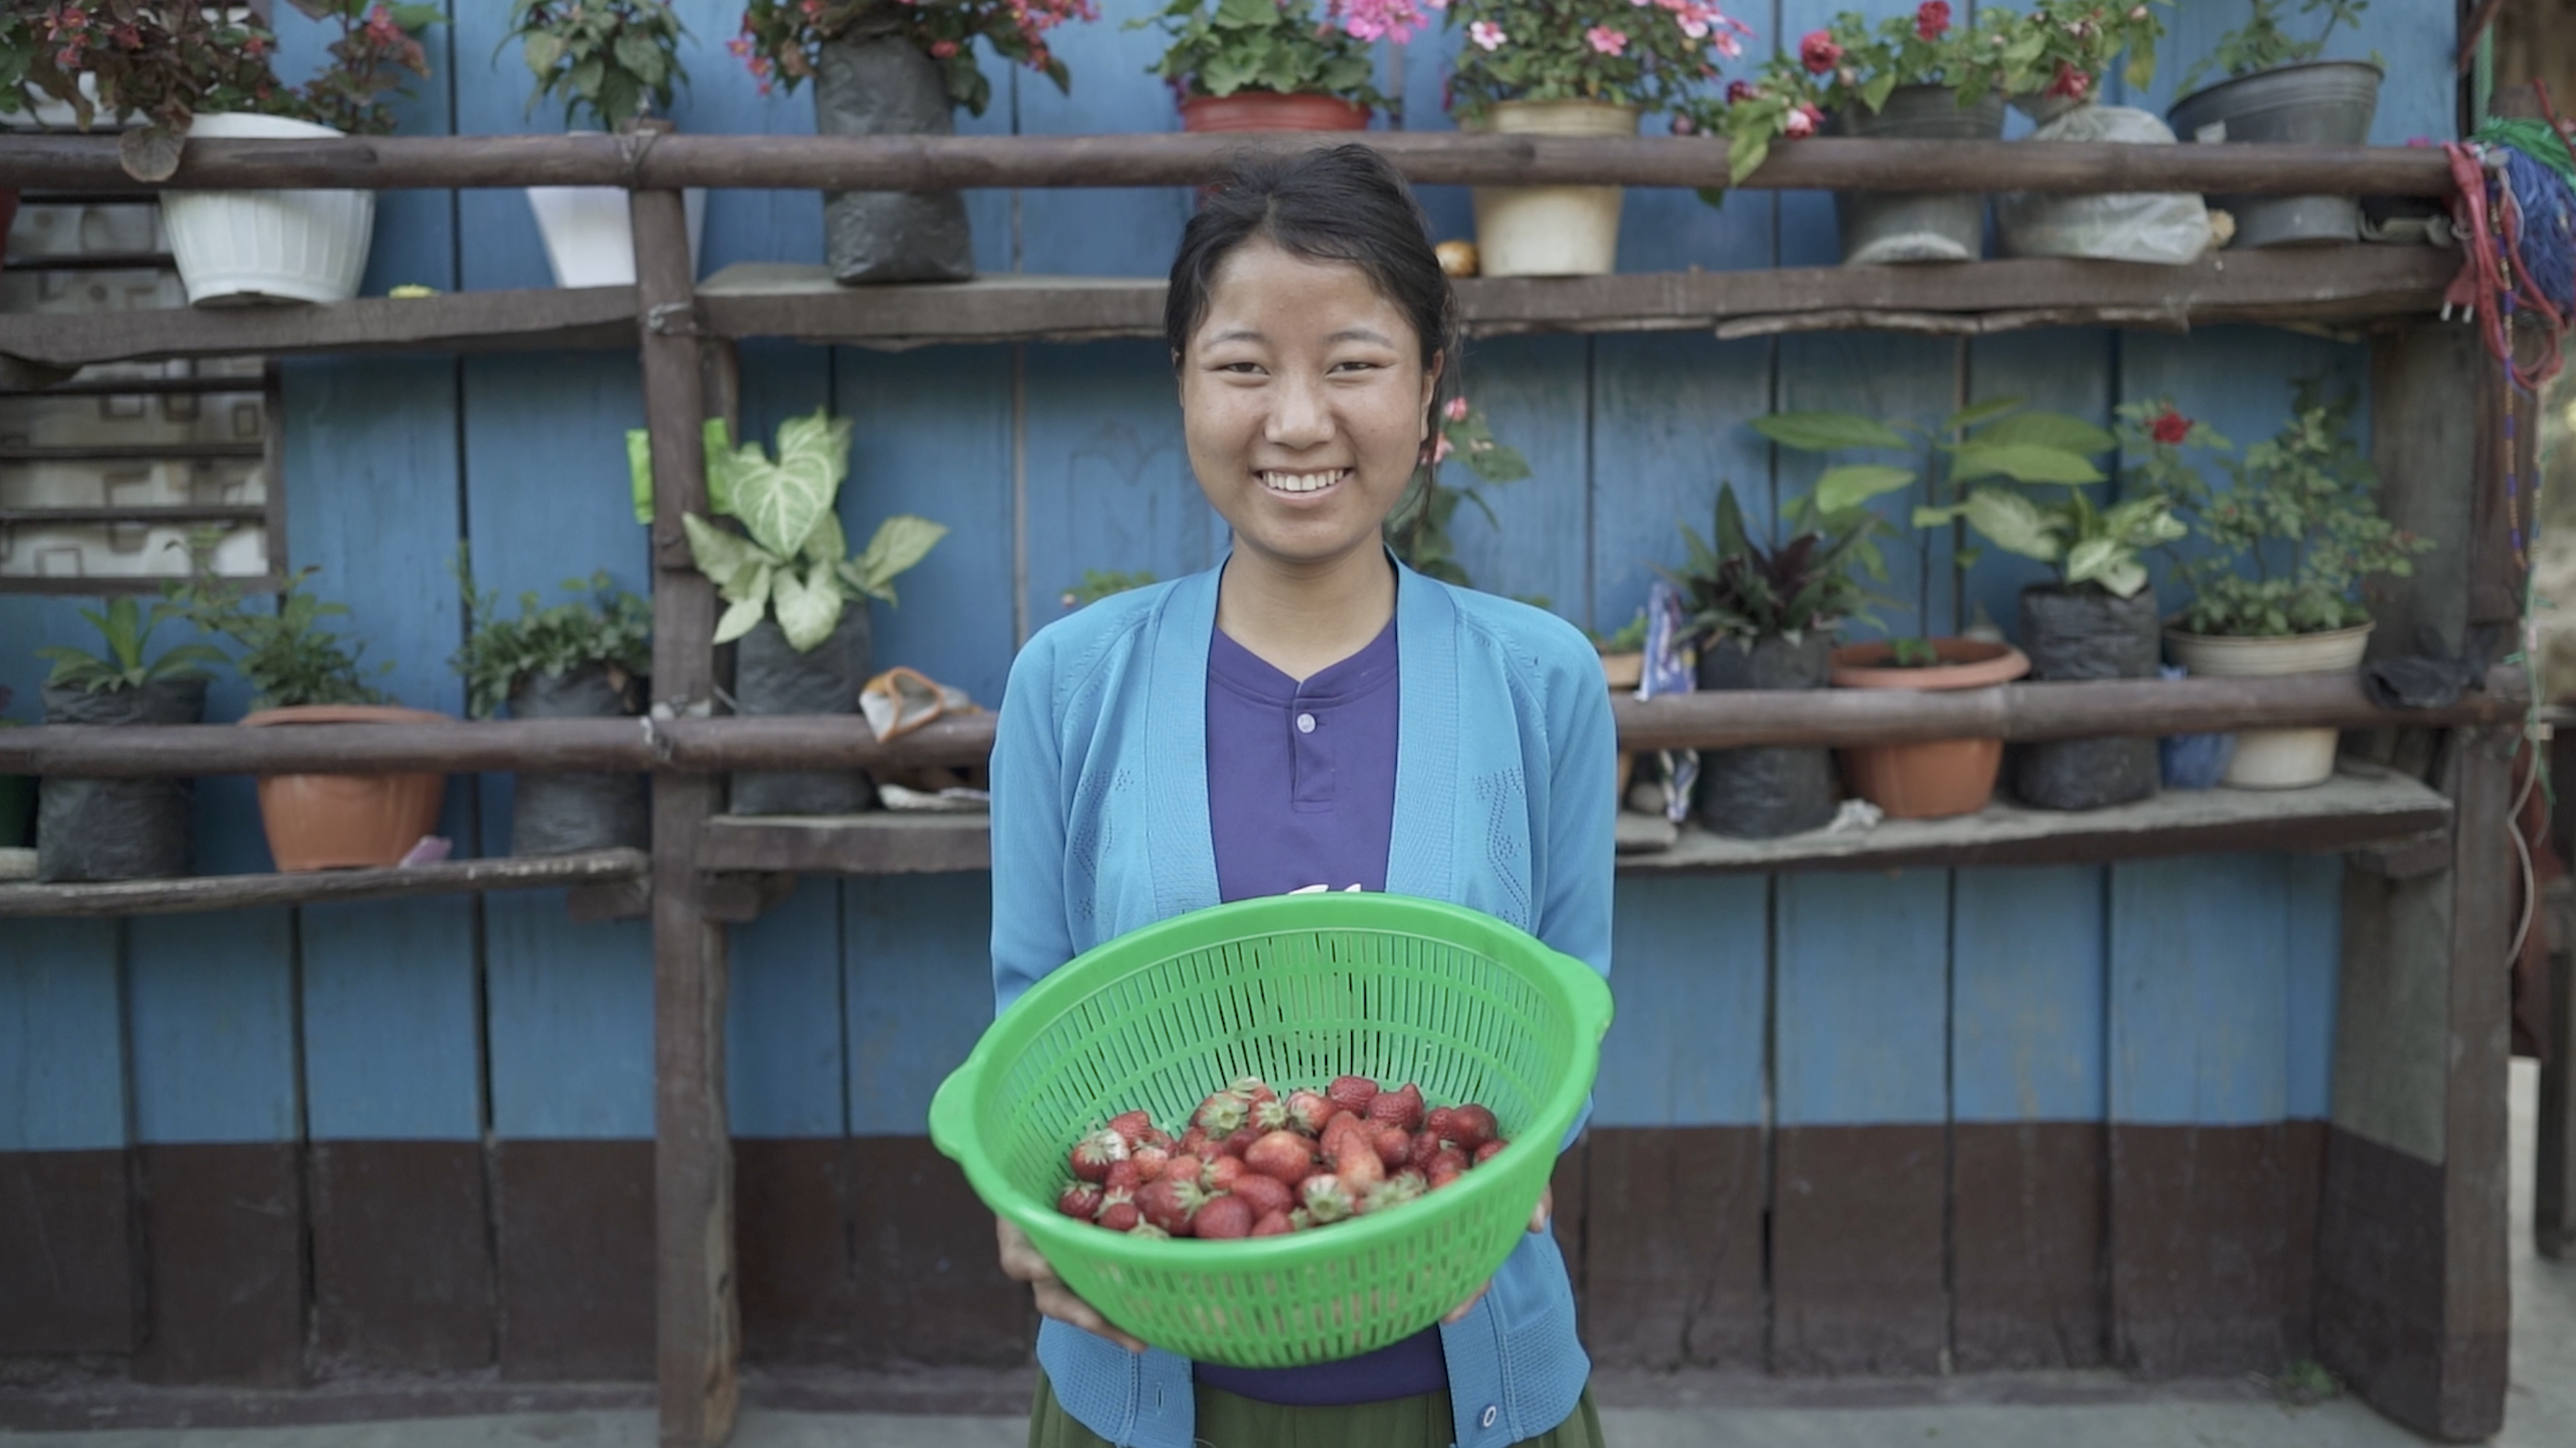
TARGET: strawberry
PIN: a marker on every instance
(1222, 1112)
(1403, 1107)
(1486, 1152)
(1395, 1191)
(1424, 1147)
(1253, 1090)
(1241, 1141)
(1437, 1122)
(1147, 1229)
(1079, 1200)
(1124, 1176)
(1120, 1216)
(1308, 1111)
(1222, 1173)
(1299, 1219)
(1170, 1203)
(1193, 1142)
(1130, 1125)
(1154, 1136)
(1150, 1161)
(1393, 1146)
(1188, 1169)
(1223, 1219)
(1327, 1200)
(1330, 1142)
(1447, 1167)
(1282, 1154)
(1358, 1164)
(1268, 1114)
(1471, 1126)
(1267, 1194)
(1352, 1094)
(1092, 1155)
(1273, 1224)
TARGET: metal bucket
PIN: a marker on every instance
(2320, 103)
(1880, 227)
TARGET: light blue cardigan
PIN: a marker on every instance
(1505, 796)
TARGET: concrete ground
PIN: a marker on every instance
(2044, 1411)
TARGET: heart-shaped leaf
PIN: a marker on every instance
(808, 607)
(781, 502)
(900, 542)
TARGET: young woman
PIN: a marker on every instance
(1307, 714)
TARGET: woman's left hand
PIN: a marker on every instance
(1539, 1217)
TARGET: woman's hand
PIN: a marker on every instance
(1539, 1216)
(1021, 1262)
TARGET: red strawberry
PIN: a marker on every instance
(1327, 1200)
(1352, 1094)
(1120, 1216)
(1403, 1107)
(1267, 1194)
(1486, 1152)
(1358, 1164)
(1193, 1142)
(1437, 1122)
(1272, 1224)
(1282, 1154)
(1395, 1191)
(1222, 1112)
(1080, 1201)
(1393, 1146)
(1268, 1114)
(1222, 1173)
(1308, 1111)
(1447, 1167)
(1223, 1219)
(1424, 1147)
(1330, 1142)
(1299, 1219)
(1147, 1229)
(1471, 1126)
(1124, 1176)
(1092, 1155)
(1150, 1161)
(1170, 1203)
(1154, 1136)
(1253, 1090)
(1241, 1141)
(1130, 1125)
(1188, 1169)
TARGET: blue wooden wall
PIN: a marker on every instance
(2189, 992)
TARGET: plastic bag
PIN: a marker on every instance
(2193, 761)
(2077, 635)
(2170, 228)
(769, 677)
(563, 814)
(117, 829)
(1766, 792)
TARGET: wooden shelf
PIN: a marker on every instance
(615, 869)
(500, 321)
(2363, 807)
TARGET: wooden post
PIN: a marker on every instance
(696, 1320)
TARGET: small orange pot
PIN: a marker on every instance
(1940, 777)
(1271, 111)
(346, 821)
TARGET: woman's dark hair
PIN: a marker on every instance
(1344, 204)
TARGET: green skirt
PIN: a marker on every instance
(1226, 1420)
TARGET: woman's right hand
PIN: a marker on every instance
(1021, 1262)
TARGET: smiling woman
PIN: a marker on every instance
(1308, 713)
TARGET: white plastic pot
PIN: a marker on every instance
(246, 247)
(590, 233)
(1551, 231)
(2274, 758)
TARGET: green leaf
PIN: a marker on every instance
(639, 472)
(826, 545)
(741, 618)
(2021, 462)
(1826, 431)
(900, 542)
(1879, 87)
(585, 77)
(720, 555)
(639, 53)
(1857, 483)
(781, 502)
(2049, 429)
(2087, 560)
(808, 608)
(542, 52)
(2011, 522)
(1978, 412)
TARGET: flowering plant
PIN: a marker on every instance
(1273, 45)
(780, 38)
(617, 59)
(1849, 64)
(2069, 45)
(2260, 43)
(1652, 54)
(1417, 532)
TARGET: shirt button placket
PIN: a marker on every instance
(1491, 1413)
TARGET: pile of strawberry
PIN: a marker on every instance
(1251, 1164)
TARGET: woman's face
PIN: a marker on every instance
(1306, 405)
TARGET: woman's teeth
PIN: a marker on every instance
(1303, 482)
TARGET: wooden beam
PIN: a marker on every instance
(2477, 1289)
(684, 746)
(697, 1323)
(593, 869)
(933, 163)
(2553, 1206)
(869, 844)
(464, 322)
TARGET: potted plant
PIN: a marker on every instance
(2277, 590)
(17, 53)
(1271, 65)
(2062, 52)
(193, 70)
(2278, 90)
(2097, 618)
(616, 62)
(585, 658)
(302, 673)
(794, 599)
(1917, 76)
(119, 829)
(1573, 68)
(883, 69)
(1417, 532)
(1933, 779)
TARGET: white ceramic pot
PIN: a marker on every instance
(246, 247)
(2274, 758)
(590, 235)
(1551, 231)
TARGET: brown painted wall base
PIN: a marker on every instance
(576, 1259)
(1670, 1259)
(66, 1252)
(1857, 1250)
(223, 1228)
(2380, 1309)
(2200, 1230)
(402, 1257)
(2027, 1272)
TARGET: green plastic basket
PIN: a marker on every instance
(1296, 989)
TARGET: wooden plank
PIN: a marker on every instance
(457, 322)
(917, 986)
(403, 1274)
(2428, 442)
(67, 1243)
(1672, 1246)
(1908, 379)
(1109, 482)
(869, 844)
(241, 892)
(67, 1239)
(1122, 232)
(697, 1326)
(1532, 547)
(2553, 1214)
(573, 1242)
(223, 1260)
(1038, 161)
(1659, 451)
(2477, 1291)
(792, 1237)
(784, 1025)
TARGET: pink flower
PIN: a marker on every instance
(2072, 84)
(1739, 91)
(1486, 35)
(1395, 20)
(1440, 450)
(1606, 40)
(1818, 53)
(1683, 125)
(1456, 411)
(942, 49)
(1932, 19)
(1800, 122)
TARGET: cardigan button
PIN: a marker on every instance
(1305, 723)
(1491, 1413)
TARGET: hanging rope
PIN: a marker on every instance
(2516, 218)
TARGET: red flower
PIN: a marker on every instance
(2170, 427)
(1818, 53)
(1932, 19)
(943, 48)
(1801, 122)
(1738, 92)
(2071, 83)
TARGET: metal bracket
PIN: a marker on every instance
(673, 319)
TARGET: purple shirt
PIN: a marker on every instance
(1301, 792)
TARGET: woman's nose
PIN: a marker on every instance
(1299, 416)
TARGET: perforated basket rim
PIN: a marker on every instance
(1585, 995)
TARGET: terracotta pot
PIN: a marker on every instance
(1271, 111)
(1940, 777)
(346, 821)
